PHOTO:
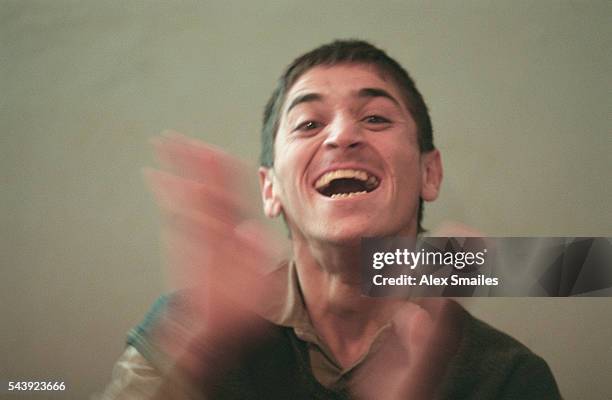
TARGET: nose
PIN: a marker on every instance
(343, 133)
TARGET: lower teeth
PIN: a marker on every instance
(342, 195)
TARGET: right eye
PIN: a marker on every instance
(307, 126)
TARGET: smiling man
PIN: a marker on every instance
(347, 153)
(347, 150)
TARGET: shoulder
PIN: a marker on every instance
(143, 371)
(492, 364)
(133, 377)
(146, 372)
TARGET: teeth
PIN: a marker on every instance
(371, 182)
(343, 195)
(323, 181)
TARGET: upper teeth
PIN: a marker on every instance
(370, 180)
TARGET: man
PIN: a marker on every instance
(347, 153)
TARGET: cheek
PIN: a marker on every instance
(282, 164)
(289, 168)
(283, 182)
(295, 156)
(407, 168)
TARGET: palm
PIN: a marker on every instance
(217, 251)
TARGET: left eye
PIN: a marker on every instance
(376, 119)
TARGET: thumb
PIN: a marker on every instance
(413, 326)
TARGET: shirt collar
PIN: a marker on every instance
(286, 307)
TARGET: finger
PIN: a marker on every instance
(431, 357)
(456, 229)
(413, 325)
(199, 226)
(261, 243)
(176, 193)
(197, 160)
(205, 251)
(412, 361)
(383, 374)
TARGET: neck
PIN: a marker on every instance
(346, 320)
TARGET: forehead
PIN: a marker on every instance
(341, 80)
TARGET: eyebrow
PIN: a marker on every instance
(362, 93)
(376, 92)
(305, 98)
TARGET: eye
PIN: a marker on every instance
(307, 126)
(376, 119)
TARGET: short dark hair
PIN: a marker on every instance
(346, 52)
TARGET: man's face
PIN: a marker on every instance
(347, 162)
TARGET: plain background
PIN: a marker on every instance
(519, 93)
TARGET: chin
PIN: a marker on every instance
(348, 233)
(351, 234)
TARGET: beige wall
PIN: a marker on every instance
(519, 94)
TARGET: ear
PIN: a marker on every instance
(271, 203)
(431, 168)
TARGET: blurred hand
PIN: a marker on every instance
(455, 229)
(412, 361)
(217, 251)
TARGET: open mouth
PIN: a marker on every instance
(346, 183)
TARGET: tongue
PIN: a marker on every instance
(350, 185)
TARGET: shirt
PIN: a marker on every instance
(488, 363)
